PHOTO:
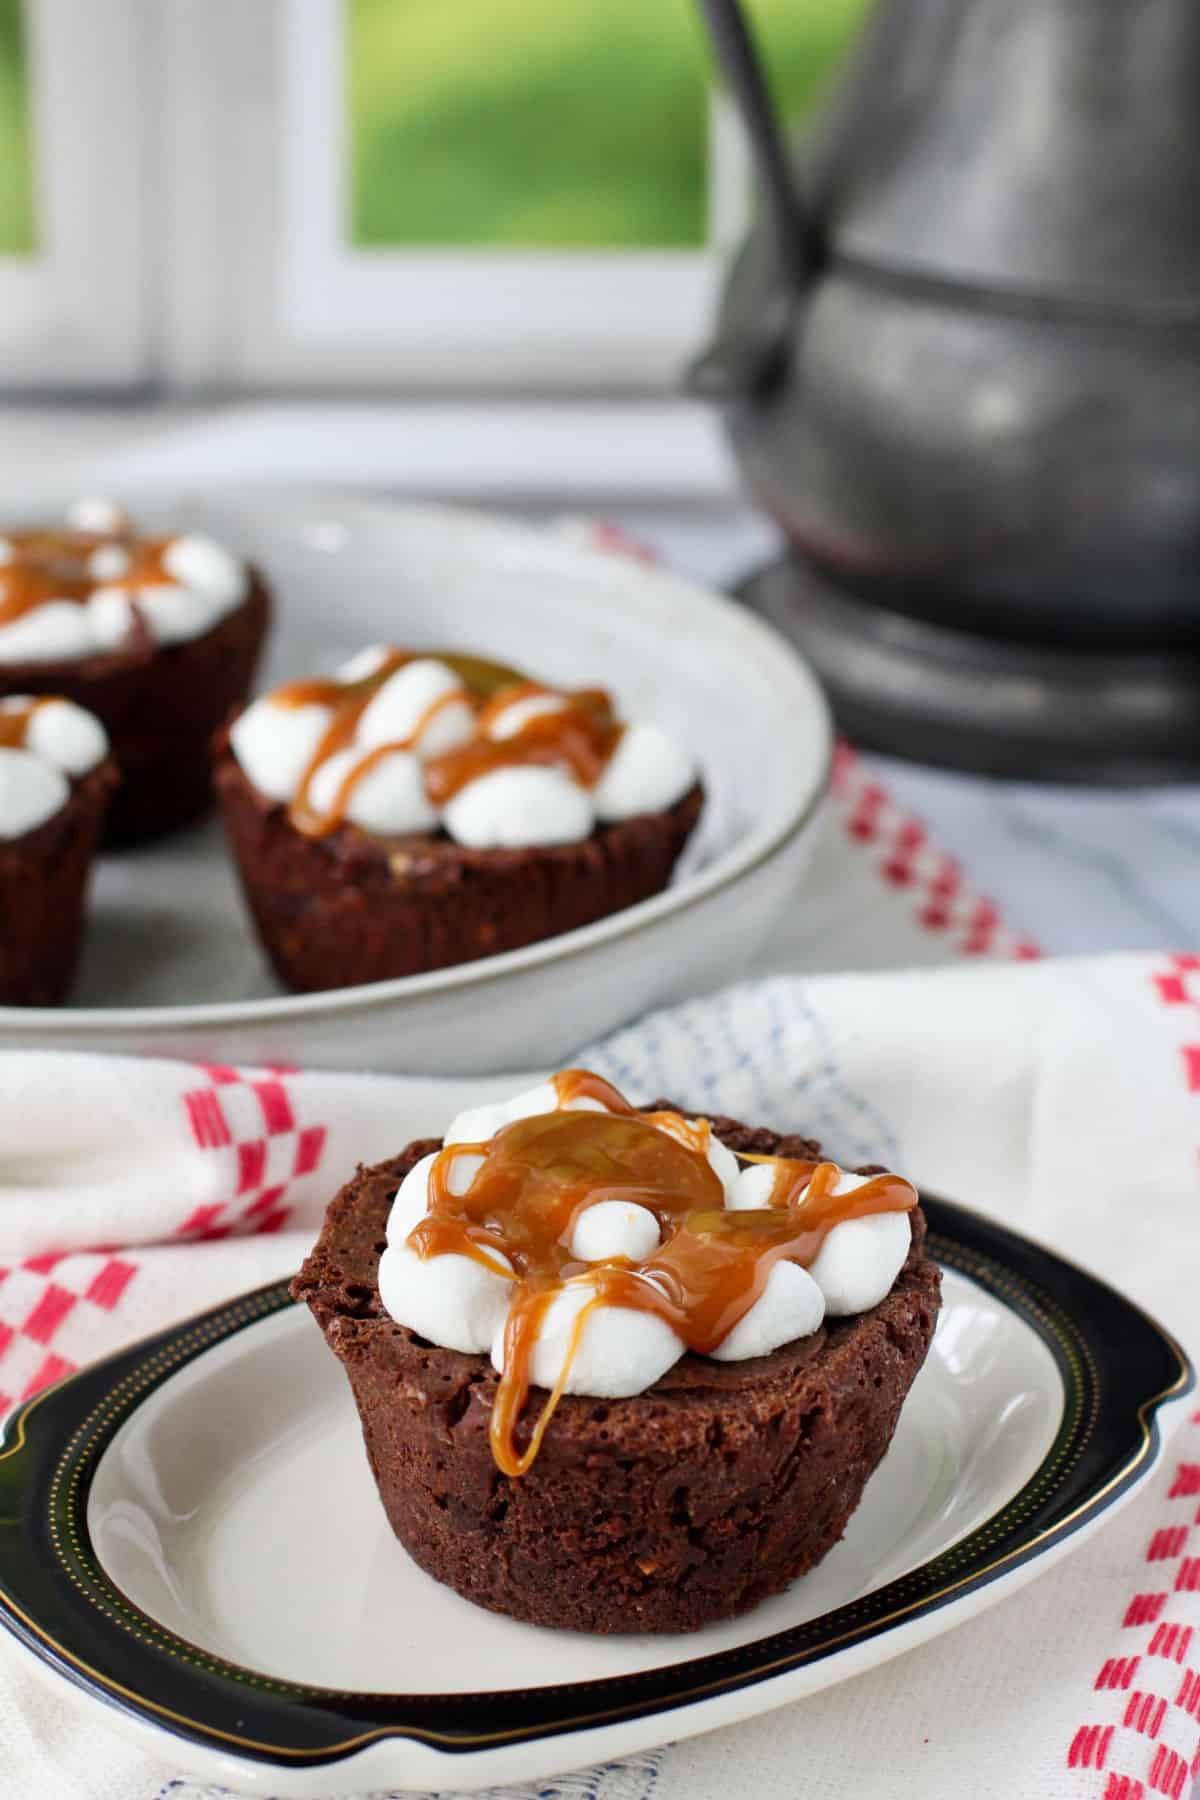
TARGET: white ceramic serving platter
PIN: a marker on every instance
(189, 1534)
(171, 966)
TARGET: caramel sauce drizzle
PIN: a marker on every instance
(14, 724)
(711, 1265)
(581, 734)
(53, 565)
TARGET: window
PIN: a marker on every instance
(589, 131)
(71, 271)
(16, 141)
(373, 195)
(484, 194)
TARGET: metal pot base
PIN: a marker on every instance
(996, 707)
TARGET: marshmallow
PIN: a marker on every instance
(452, 1300)
(396, 711)
(275, 744)
(620, 1352)
(66, 736)
(363, 664)
(615, 1228)
(205, 567)
(479, 1124)
(647, 772)
(96, 517)
(859, 1260)
(790, 1306)
(55, 631)
(388, 799)
(516, 715)
(510, 808)
(31, 791)
(108, 562)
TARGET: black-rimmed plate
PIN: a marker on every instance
(190, 1535)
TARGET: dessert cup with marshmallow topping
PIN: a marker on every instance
(158, 637)
(417, 810)
(56, 781)
(621, 1369)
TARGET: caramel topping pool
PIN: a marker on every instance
(711, 1265)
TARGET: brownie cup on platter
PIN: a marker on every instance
(420, 810)
(56, 781)
(619, 1369)
(157, 636)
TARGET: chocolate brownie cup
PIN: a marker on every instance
(420, 811)
(56, 781)
(158, 637)
(665, 1509)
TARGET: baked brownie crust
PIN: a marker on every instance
(345, 909)
(688, 1503)
(43, 889)
(160, 705)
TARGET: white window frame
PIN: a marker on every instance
(72, 313)
(263, 291)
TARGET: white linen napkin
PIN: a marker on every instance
(1064, 1097)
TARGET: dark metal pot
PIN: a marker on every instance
(960, 355)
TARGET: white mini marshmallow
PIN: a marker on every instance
(97, 517)
(396, 711)
(411, 1202)
(275, 744)
(647, 772)
(452, 1300)
(206, 567)
(514, 717)
(172, 614)
(753, 1188)
(858, 1262)
(512, 807)
(110, 617)
(615, 1228)
(58, 629)
(64, 734)
(31, 791)
(363, 665)
(479, 1124)
(790, 1306)
(390, 798)
(621, 1351)
(108, 562)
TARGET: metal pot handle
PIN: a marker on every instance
(749, 361)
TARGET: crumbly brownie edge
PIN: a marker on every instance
(44, 879)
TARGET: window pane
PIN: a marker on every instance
(803, 44)
(16, 162)
(526, 124)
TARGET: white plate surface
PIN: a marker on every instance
(237, 1509)
(171, 964)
